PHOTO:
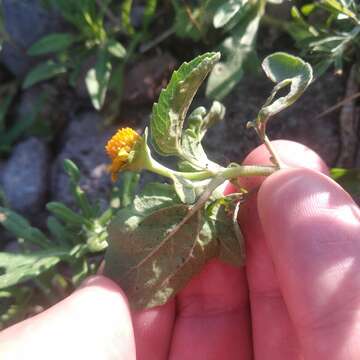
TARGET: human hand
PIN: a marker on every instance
(302, 283)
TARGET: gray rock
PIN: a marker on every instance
(84, 143)
(26, 21)
(25, 177)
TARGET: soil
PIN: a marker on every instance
(298, 123)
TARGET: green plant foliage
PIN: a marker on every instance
(30, 123)
(97, 80)
(349, 179)
(52, 43)
(72, 238)
(238, 48)
(162, 239)
(235, 23)
(331, 37)
(284, 70)
(23, 267)
(43, 71)
(167, 121)
(90, 41)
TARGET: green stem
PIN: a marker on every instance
(248, 170)
(162, 170)
(228, 173)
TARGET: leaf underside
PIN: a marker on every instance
(153, 253)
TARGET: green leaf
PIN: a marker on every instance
(116, 49)
(21, 228)
(184, 189)
(58, 231)
(55, 42)
(237, 49)
(199, 121)
(223, 218)
(285, 70)
(72, 170)
(79, 194)
(349, 179)
(129, 182)
(126, 16)
(43, 71)
(184, 27)
(154, 196)
(338, 7)
(149, 13)
(169, 113)
(146, 255)
(227, 11)
(65, 214)
(97, 80)
(17, 268)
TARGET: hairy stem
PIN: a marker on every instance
(248, 170)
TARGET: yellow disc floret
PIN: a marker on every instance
(119, 147)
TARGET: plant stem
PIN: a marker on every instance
(162, 170)
(248, 170)
(277, 161)
(261, 131)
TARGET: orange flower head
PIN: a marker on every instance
(119, 148)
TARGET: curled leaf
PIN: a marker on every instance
(285, 70)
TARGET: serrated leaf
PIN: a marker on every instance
(97, 80)
(169, 112)
(17, 268)
(146, 255)
(285, 70)
(227, 11)
(43, 71)
(236, 48)
(55, 42)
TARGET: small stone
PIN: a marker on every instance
(26, 21)
(25, 176)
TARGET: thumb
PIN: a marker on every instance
(312, 228)
(92, 323)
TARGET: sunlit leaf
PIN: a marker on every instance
(97, 80)
(17, 268)
(169, 112)
(227, 11)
